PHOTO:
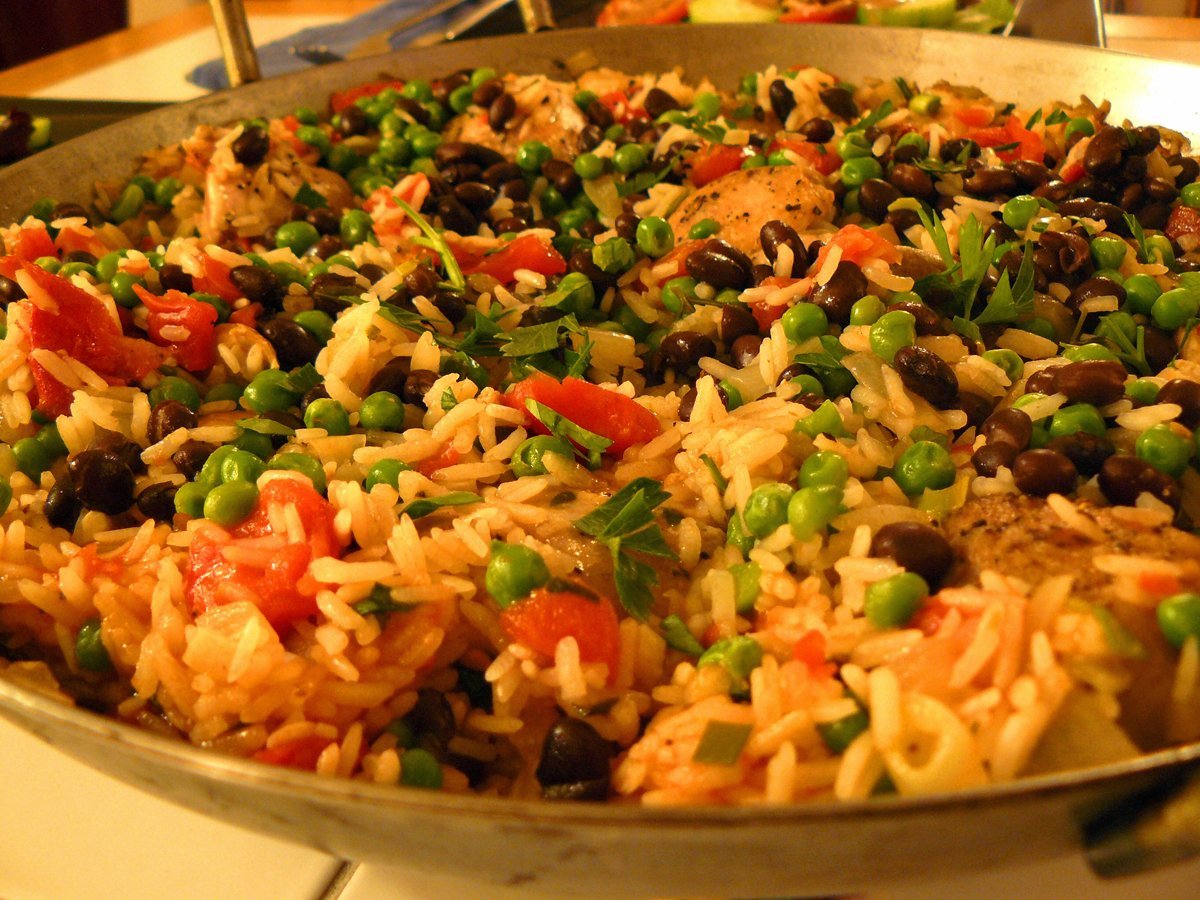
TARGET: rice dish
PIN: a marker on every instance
(622, 439)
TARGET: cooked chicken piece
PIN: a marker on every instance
(743, 200)
(1022, 536)
(545, 112)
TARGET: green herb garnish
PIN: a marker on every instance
(587, 444)
(426, 505)
(265, 426)
(437, 243)
(306, 196)
(380, 602)
(722, 743)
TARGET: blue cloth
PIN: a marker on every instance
(276, 58)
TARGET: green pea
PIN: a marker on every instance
(90, 652)
(825, 419)
(925, 104)
(165, 190)
(425, 143)
(33, 458)
(382, 410)
(1108, 251)
(287, 273)
(306, 115)
(385, 471)
(678, 292)
(513, 572)
(705, 228)
(867, 310)
(804, 321)
(1026, 399)
(532, 155)
(71, 269)
(1079, 126)
(839, 734)
(296, 236)
(1142, 390)
(107, 265)
(808, 384)
(1167, 451)
(395, 151)
(175, 388)
(528, 458)
(1189, 195)
(1159, 249)
(1019, 211)
(255, 443)
(732, 394)
(629, 158)
(128, 204)
(328, 414)
(766, 508)
(482, 74)
(121, 287)
(420, 769)
(859, 169)
(1119, 323)
(51, 440)
(6, 495)
(460, 98)
(1140, 293)
(739, 656)
(748, 84)
(314, 137)
(706, 104)
(189, 499)
(230, 503)
(824, 468)
(316, 323)
(630, 323)
(1174, 307)
(1085, 352)
(779, 158)
(924, 466)
(417, 89)
(240, 465)
(552, 201)
(854, 146)
(812, 508)
(913, 139)
(891, 332)
(304, 464)
(746, 579)
(227, 390)
(589, 166)
(654, 236)
(892, 602)
(268, 391)
(1179, 618)
(585, 98)
(614, 256)
(573, 220)
(1076, 418)
(1009, 361)
(355, 227)
(50, 263)
(736, 534)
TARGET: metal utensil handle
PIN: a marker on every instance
(537, 15)
(237, 47)
(1147, 833)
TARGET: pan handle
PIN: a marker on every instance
(537, 15)
(1147, 832)
(237, 47)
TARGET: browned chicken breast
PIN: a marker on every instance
(543, 110)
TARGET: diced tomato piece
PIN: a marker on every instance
(677, 257)
(84, 240)
(622, 111)
(823, 159)
(1072, 172)
(837, 12)
(1183, 220)
(291, 123)
(526, 252)
(858, 245)
(1030, 145)
(448, 457)
(974, 116)
(545, 617)
(247, 315)
(606, 413)
(1158, 584)
(766, 314)
(302, 753)
(339, 100)
(82, 328)
(94, 564)
(175, 309)
(31, 242)
(930, 616)
(283, 590)
(715, 160)
(810, 650)
(642, 12)
(214, 279)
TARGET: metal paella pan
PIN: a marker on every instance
(764, 851)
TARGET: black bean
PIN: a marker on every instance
(293, 344)
(927, 375)
(985, 182)
(1105, 189)
(683, 349)
(452, 152)
(783, 101)
(540, 315)
(352, 120)
(1096, 381)
(875, 196)
(80, 256)
(191, 456)
(421, 281)
(371, 272)
(313, 394)
(1089, 208)
(911, 181)
(324, 219)
(1142, 140)
(744, 349)
(658, 102)
(581, 261)
(1124, 478)
(512, 223)
(902, 219)
(62, 507)
(839, 101)
(1160, 348)
(1054, 190)
(172, 277)
(1190, 167)
(927, 320)
(774, 234)
(1001, 232)
(1008, 426)
(391, 377)
(1185, 393)
(328, 245)
(1106, 150)
(989, 458)
(1030, 174)
(1040, 473)
(841, 292)
(564, 178)
(460, 172)
(68, 210)
(817, 130)
(598, 114)
(1085, 450)
(102, 481)
(760, 272)
(257, 285)
(1099, 286)
(500, 111)
(1134, 168)
(10, 292)
(576, 762)
(451, 305)
(417, 385)
(475, 195)
(976, 406)
(626, 225)
(736, 322)
(251, 146)
(167, 417)
(919, 548)
(1073, 251)
(125, 450)
(1161, 190)
(455, 216)
(1046, 261)
(958, 148)
(432, 721)
(720, 264)
(1154, 216)
(495, 175)
(157, 501)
